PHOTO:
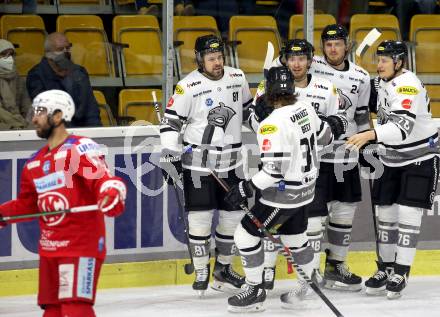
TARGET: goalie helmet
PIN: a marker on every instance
(334, 32)
(279, 81)
(298, 47)
(394, 49)
(54, 100)
(207, 44)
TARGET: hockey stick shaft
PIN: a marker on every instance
(51, 213)
(286, 251)
(376, 232)
(179, 201)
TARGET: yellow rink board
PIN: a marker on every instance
(170, 272)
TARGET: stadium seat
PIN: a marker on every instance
(79, 2)
(296, 25)
(105, 112)
(186, 30)
(138, 103)
(28, 32)
(90, 45)
(361, 24)
(425, 33)
(251, 34)
(434, 95)
(143, 56)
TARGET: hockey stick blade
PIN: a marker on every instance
(269, 58)
(368, 41)
(52, 213)
(156, 106)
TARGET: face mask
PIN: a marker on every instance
(62, 60)
(7, 63)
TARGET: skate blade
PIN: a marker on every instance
(301, 304)
(393, 295)
(375, 291)
(254, 308)
(225, 287)
(339, 286)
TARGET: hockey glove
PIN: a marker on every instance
(239, 194)
(171, 166)
(338, 124)
(111, 199)
(2, 223)
(262, 109)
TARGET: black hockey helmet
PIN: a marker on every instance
(207, 44)
(394, 49)
(334, 32)
(298, 47)
(279, 81)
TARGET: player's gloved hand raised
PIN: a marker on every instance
(171, 166)
(239, 194)
(111, 199)
(262, 109)
(338, 124)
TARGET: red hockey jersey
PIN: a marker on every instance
(67, 176)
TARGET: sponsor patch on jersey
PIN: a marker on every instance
(268, 129)
(46, 167)
(33, 164)
(407, 90)
(50, 182)
(65, 288)
(170, 102)
(235, 75)
(86, 277)
(101, 244)
(195, 83)
(179, 90)
(406, 104)
(261, 85)
(60, 155)
(88, 146)
(320, 86)
(267, 145)
(209, 102)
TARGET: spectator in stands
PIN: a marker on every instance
(57, 71)
(181, 7)
(14, 101)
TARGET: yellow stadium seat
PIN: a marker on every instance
(425, 33)
(79, 2)
(105, 112)
(138, 103)
(186, 30)
(253, 32)
(143, 56)
(296, 25)
(90, 45)
(361, 24)
(28, 32)
(434, 95)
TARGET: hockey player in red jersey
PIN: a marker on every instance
(69, 171)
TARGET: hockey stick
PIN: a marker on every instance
(51, 213)
(286, 251)
(188, 267)
(368, 40)
(269, 58)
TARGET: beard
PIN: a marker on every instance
(45, 131)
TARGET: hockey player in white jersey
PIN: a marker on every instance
(341, 193)
(409, 149)
(210, 101)
(288, 141)
(321, 94)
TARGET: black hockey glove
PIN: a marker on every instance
(239, 194)
(262, 109)
(338, 124)
(171, 166)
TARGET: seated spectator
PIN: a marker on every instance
(57, 71)
(14, 101)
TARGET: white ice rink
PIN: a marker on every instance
(421, 299)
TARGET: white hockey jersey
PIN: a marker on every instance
(406, 132)
(213, 113)
(288, 140)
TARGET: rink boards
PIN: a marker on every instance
(146, 239)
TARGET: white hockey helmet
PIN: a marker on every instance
(54, 100)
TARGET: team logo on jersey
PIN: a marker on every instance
(179, 90)
(406, 104)
(170, 102)
(407, 90)
(220, 116)
(344, 101)
(266, 146)
(268, 129)
(209, 102)
(53, 201)
(46, 167)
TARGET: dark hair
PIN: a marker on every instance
(280, 100)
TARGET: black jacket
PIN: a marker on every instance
(42, 77)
